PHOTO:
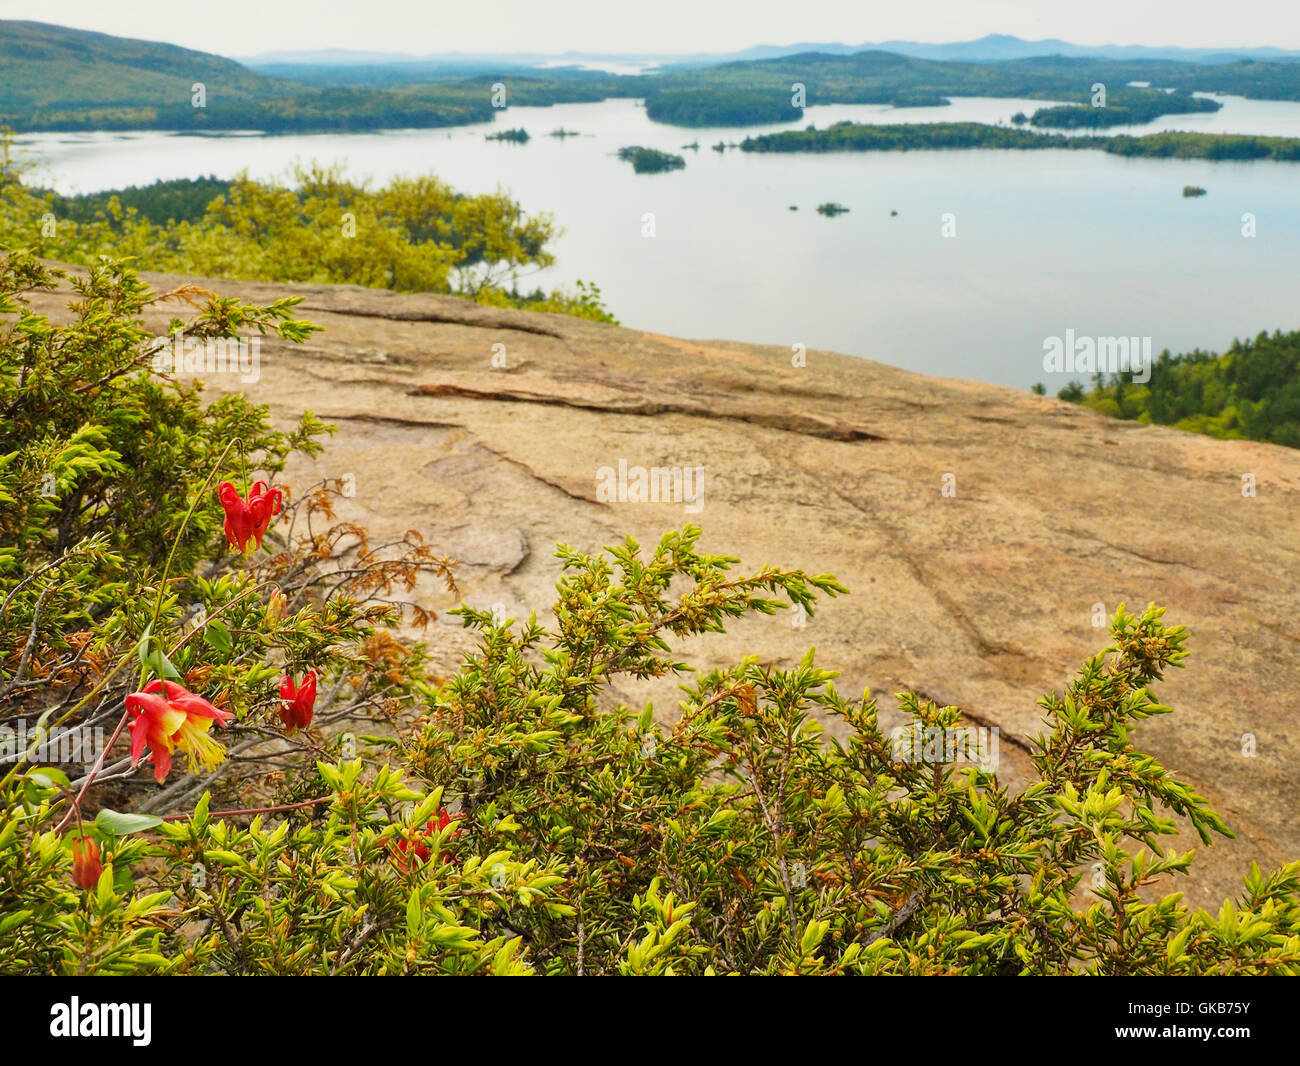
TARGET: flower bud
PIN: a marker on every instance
(86, 864)
(275, 606)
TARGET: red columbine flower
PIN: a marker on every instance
(86, 864)
(168, 718)
(248, 521)
(299, 701)
(418, 848)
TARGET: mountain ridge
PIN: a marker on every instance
(991, 47)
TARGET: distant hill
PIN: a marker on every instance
(57, 78)
(43, 66)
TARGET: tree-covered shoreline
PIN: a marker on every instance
(705, 107)
(933, 136)
(1250, 391)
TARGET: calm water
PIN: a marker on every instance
(1045, 241)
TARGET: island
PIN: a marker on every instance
(862, 137)
(650, 160)
(1132, 108)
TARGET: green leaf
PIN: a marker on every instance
(812, 936)
(160, 666)
(201, 809)
(217, 636)
(49, 777)
(142, 649)
(413, 920)
(120, 824)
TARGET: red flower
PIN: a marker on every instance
(176, 719)
(248, 521)
(299, 701)
(86, 864)
(418, 848)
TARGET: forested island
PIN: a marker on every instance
(650, 160)
(860, 137)
(1130, 108)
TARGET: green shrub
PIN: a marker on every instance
(411, 235)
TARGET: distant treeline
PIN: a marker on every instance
(1250, 391)
(731, 107)
(162, 203)
(919, 98)
(328, 110)
(1202, 146)
(858, 137)
(712, 106)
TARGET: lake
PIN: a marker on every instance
(1044, 242)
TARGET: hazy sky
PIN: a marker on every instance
(245, 27)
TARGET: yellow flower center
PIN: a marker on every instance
(192, 738)
(170, 724)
